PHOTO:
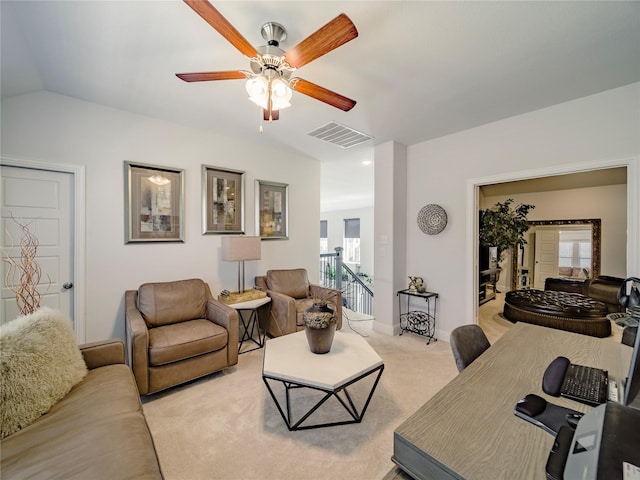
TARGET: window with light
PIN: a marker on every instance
(351, 243)
(574, 249)
(324, 238)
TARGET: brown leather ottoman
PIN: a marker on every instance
(572, 312)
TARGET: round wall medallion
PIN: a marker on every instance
(432, 219)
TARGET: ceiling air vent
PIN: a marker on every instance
(340, 135)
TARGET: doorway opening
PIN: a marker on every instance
(485, 188)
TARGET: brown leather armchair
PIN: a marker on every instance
(177, 331)
(291, 294)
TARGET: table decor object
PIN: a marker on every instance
(320, 327)
(229, 298)
(416, 284)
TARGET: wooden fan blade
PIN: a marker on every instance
(214, 18)
(207, 76)
(275, 114)
(337, 32)
(320, 93)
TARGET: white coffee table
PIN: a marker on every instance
(288, 361)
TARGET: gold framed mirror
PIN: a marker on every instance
(594, 224)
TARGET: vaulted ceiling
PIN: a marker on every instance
(418, 70)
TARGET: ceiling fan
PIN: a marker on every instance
(270, 82)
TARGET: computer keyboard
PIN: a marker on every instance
(585, 384)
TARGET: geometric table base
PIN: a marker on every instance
(339, 393)
(249, 327)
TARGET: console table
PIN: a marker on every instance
(487, 287)
(423, 321)
(468, 429)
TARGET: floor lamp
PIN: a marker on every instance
(239, 249)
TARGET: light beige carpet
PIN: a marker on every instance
(226, 425)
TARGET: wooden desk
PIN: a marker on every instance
(468, 429)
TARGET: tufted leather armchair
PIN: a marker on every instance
(291, 294)
(177, 331)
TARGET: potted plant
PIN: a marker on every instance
(503, 226)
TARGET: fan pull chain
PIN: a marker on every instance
(260, 129)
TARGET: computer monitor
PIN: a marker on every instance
(632, 387)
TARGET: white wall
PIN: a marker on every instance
(390, 234)
(53, 128)
(335, 232)
(584, 131)
(49, 127)
(608, 203)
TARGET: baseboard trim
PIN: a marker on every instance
(386, 328)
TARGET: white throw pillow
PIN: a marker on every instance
(39, 364)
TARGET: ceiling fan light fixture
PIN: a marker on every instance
(280, 94)
(269, 84)
(258, 89)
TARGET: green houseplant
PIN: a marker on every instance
(503, 226)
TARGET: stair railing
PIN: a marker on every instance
(356, 295)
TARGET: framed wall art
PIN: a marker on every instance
(222, 200)
(272, 207)
(154, 203)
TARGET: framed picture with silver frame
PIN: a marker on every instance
(154, 203)
(272, 210)
(222, 200)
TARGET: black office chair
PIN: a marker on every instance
(467, 343)
(629, 298)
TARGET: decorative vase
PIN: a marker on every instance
(320, 327)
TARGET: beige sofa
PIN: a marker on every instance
(98, 430)
(291, 295)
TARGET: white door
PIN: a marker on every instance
(546, 257)
(43, 200)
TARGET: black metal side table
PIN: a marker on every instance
(422, 322)
(249, 326)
